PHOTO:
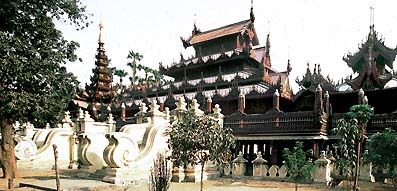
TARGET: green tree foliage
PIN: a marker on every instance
(347, 133)
(121, 74)
(298, 165)
(198, 139)
(382, 152)
(34, 84)
(350, 132)
(150, 76)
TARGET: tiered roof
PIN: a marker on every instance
(100, 89)
(231, 66)
(373, 63)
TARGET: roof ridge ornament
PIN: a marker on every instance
(252, 16)
(100, 38)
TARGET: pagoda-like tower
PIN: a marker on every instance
(373, 63)
(100, 89)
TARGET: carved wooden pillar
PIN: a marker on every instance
(327, 104)
(123, 112)
(241, 103)
(361, 96)
(276, 101)
(318, 100)
(209, 105)
(316, 151)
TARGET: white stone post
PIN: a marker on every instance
(141, 115)
(322, 172)
(74, 151)
(194, 108)
(239, 166)
(259, 167)
(218, 115)
(111, 123)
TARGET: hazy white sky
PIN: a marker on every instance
(304, 31)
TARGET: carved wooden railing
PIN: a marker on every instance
(377, 123)
(292, 122)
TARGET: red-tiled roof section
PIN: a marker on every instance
(219, 32)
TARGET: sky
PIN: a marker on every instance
(304, 31)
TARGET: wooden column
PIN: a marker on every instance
(360, 96)
(318, 100)
(123, 112)
(209, 105)
(241, 103)
(276, 101)
(327, 104)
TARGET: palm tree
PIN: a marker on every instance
(121, 74)
(135, 56)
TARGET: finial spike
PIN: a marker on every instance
(100, 38)
(252, 17)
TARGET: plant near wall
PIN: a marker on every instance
(298, 165)
(382, 152)
(199, 139)
(160, 174)
(351, 136)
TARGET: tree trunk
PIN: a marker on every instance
(357, 175)
(202, 173)
(8, 162)
(362, 130)
(296, 186)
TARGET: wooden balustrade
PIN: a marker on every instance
(377, 123)
(272, 122)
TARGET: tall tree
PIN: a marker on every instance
(135, 56)
(121, 74)
(199, 139)
(34, 84)
(350, 132)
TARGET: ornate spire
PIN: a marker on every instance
(268, 45)
(289, 67)
(372, 19)
(266, 58)
(100, 38)
(252, 16)
(100, 89)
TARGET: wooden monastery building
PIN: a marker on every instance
(231, 68)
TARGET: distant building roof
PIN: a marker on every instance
(219, 32)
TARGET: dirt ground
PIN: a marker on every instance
(224, 184)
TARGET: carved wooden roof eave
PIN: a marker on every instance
(234, 28)
(385, 51)
(177, 68)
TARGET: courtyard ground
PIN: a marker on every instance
(45, 180)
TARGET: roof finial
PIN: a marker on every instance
(268, 44)
(289, 68)
(252, 17)
(268, 26)
(100, 38)
(372, 16)
(195, 29)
